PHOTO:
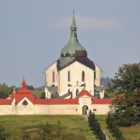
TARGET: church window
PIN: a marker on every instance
(68, 76)
(77, 91)
(53, 77)
(83, 76)
(25, 102)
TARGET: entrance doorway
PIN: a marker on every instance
(84, 110)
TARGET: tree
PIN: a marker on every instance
(127, 79)
(127, 108)
(43, 95)
(5, 90)
(95, 126)
(30, 87)
(109, 91)
(113, 127)
(127, 101)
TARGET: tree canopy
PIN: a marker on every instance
(127, 79)
(126, 84)
(5, 90)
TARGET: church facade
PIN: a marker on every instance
(72, 86)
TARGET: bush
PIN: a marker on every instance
(95, 126)
(113, 127)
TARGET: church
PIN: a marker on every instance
(73, 71)
(72, 86)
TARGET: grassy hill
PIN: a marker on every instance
(129, 133)
(71, 126)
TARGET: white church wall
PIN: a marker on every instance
(49, 75)
(98, 75)
(76, 69)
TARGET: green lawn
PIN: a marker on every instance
(74, 124)
(131, 133)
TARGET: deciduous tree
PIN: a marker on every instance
(127, 101)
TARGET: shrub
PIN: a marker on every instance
(113, 127)
(95, 126)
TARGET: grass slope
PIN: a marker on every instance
(74, 124)
(131, 133)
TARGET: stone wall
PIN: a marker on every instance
(54, 109)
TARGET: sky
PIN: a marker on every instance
(33, 32)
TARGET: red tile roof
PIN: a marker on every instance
(83, 93)
(5, 101)
(19, 97)
(61, 101)
(40, 101)
(102, 101)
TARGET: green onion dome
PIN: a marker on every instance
(73, 48)
(74, 51)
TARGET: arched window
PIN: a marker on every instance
(25, 102)
(83, 76)
(68, 76)
(53, 77)
(77, 91)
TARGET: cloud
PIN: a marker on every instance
(87, 23)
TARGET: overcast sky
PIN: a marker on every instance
(33, 32)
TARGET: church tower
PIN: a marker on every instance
(73, 71)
